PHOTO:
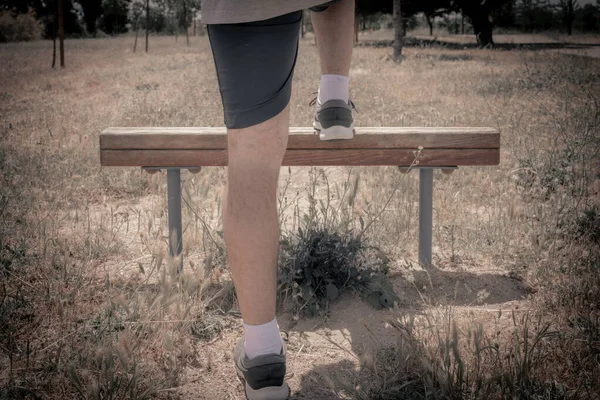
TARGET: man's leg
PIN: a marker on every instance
(255, 63)
(334, 29)
(250, 220)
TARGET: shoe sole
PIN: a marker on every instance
(267, 393)
(335, 132)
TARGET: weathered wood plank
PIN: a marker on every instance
(396, 157)
(154, 138)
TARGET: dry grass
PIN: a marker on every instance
(91, 307)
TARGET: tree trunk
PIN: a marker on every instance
(194, 27)
(455, 24)
(54, 35)
(355, 30)
(54, 51)
(430, 23)
(570, 16)
(61, 33)
(147, 22)
(483, 29)
(398, 31)
(185, 22)
(136, 37)
(462, 23)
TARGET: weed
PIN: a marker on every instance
(443, 361)
(588, 225)
(317, 266)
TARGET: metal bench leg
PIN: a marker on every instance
(425, 214)
(174, 207)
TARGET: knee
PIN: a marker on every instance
(256, 149)
(251, 190)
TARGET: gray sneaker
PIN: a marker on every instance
(263, 376)
(333, 120)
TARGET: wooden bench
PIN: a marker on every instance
(174, 149)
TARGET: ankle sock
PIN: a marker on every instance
(334, 87)
(262, 339)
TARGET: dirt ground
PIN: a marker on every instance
(326, 350)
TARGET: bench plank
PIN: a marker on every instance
(293, 157)
(157, 138)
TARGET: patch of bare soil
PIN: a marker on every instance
(323, 351)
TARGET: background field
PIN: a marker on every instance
(90, 305)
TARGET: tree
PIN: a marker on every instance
(92, 11)
(567, 9)
(114, 19)
(182, 14)
(366, 8)
(398, 30)
(147, 22)
(22, 6)
(47, 12)
(432, 9)
(534, 15)
(479, 12)
(588, 17)
(135, 16)
(505, 15)
(401, 10)
(61, 33)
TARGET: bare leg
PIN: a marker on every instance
(334, 29)
(250, 223)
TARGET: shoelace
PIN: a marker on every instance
(353, 105)
(314, 101)
(285, 335)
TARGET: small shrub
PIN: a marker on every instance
(316, 266)
(554, 172)
(19, 27)
(589, 225)
(208, 327)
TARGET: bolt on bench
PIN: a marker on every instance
(175, 149)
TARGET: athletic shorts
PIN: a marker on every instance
(255, 65)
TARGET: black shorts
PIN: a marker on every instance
(255, 64)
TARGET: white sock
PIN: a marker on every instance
(334, 87)
(262, 339)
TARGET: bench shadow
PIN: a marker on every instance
(457, 287)
(354, 331)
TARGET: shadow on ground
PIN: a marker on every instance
(336, 348)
